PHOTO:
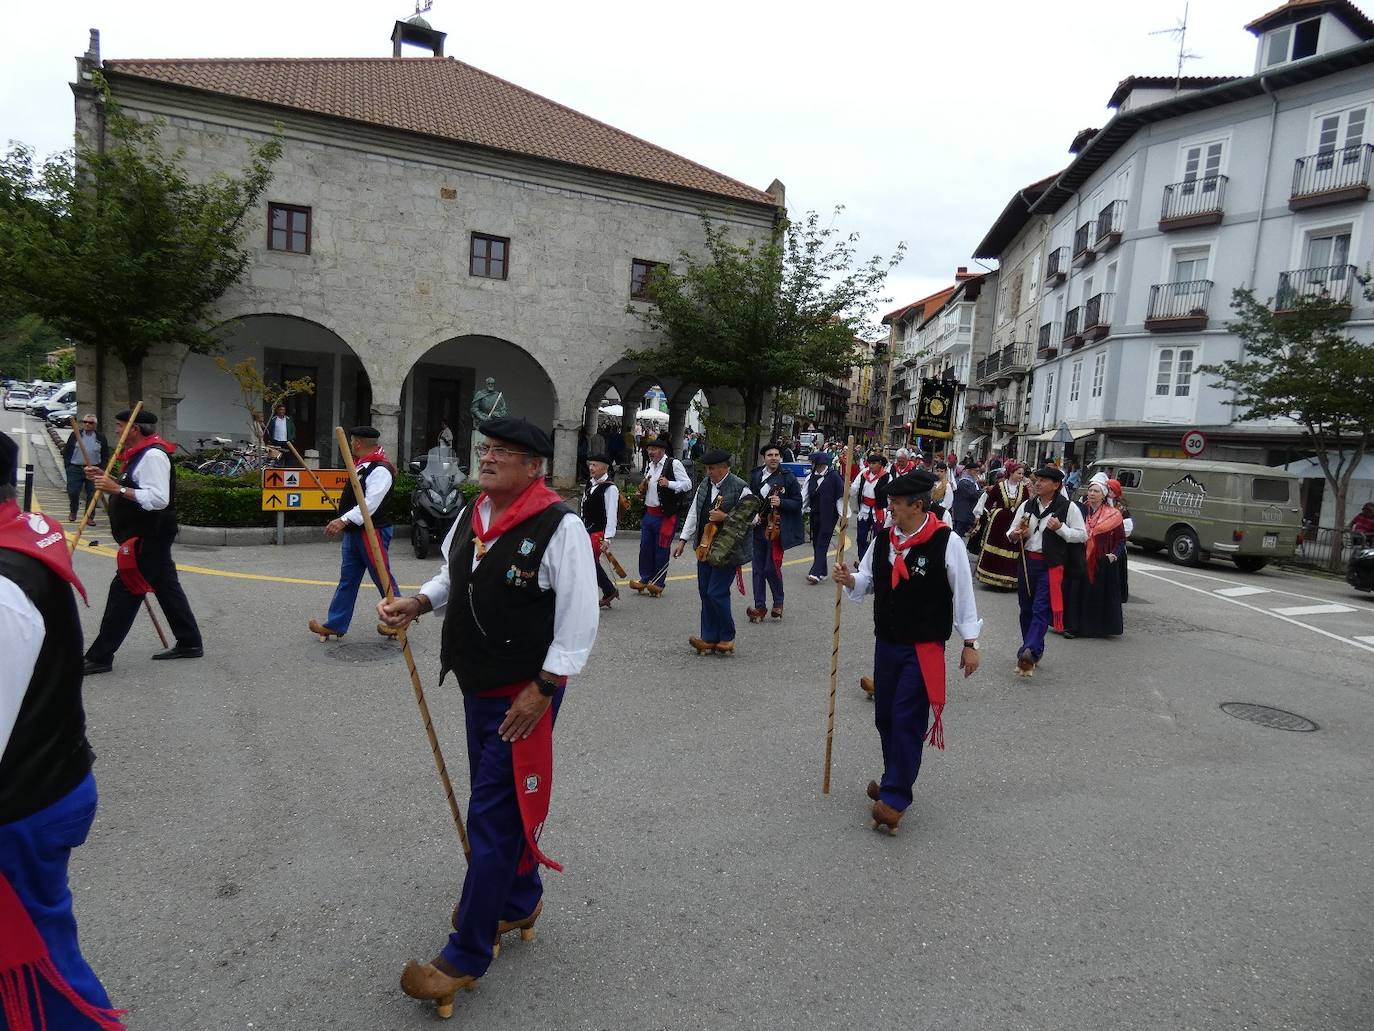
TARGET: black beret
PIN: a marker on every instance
(716, 456)
(516, 430)
(876, 457)
(366, 432)
(599, 456)
(773, 446)
(9, 460)
(918, 481)
(145, 417)
(1049, 472)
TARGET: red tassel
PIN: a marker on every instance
(936, 735)
(739, 578)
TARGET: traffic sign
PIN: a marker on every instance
(304, 500)
(317, 479)
(1194, 443)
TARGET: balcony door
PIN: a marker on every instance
(1342, 131)
(1202, 161)
(1190, 265)
(1328, 248)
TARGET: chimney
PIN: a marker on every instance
(962, 273)
(415, 31)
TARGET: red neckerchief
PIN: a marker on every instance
(35, 535)
(531, 501)
(925, 533)
(377, 455)
(149, 440)
(902, 470)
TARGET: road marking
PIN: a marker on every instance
(1180, 571)
(1353, 641)
(1241, 592)
(1366, 640)
(1312, 610)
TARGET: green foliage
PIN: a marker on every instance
(763, 315)
(60, 371)
(237, 501)
(25, 342)
(257, 395)
(116, 246)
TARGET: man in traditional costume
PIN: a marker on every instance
(518, 570)
(904, 463)
(47, 791)
(868, 499)
(717, 496)
(143, 521)
(1045, 527)
(378, 478)
(997, 564)
(782, 504)
(918, 572)
(600, 510)
(665, 481)
(822, 495)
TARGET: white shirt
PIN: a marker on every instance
(374, 490)
(966, 621)
(806, 491)
(689, 529)
(152, 478)
(677, 479)
(612, 499)
(862, 488)
(21, 639)
(1073, 529)
(279, 427)
(568, 570)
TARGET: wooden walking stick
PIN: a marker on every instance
(318, 485)
(839, 594)
(104, 502)
(373, 545)
(114, 456)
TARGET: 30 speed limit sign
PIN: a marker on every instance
(1194, 443)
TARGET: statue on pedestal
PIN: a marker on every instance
(488, 403)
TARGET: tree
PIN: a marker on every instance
(759, 316)
(117, 247)
(1299, 363)
(257, 395)
(25, 342)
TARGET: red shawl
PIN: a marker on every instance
(1106, 531)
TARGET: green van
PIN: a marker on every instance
(1202, 510)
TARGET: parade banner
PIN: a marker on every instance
(935, 410)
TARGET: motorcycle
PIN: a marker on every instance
(437, 500)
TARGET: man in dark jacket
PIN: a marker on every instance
(821, 498)
(74, 461)
(715, 498)
(781, 494)
(966, 491)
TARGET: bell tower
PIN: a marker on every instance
(417, 32)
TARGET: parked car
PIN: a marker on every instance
(17, 398)
(1200, 510)
(62, 398)
(1359, 573)
(62, 417)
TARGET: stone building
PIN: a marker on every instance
(428, 226)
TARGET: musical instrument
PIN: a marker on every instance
(615, 563)
(773, 530)
(737, 527)
(708, 533)
(643, 487)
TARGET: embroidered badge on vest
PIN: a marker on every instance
(921, 566)
(527, 546)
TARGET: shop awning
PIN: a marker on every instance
(1050, 435)
(975, 442)
(1001, 442)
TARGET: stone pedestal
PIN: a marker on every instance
(565, 452)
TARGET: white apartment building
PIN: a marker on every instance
(1195, 187)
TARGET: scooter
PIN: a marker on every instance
(436, 501)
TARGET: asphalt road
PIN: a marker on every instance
(1099, 847)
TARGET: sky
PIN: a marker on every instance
(920, 118)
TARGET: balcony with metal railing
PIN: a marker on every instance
(986, 368)
(1073, 335)
(1097, 316)
(1057, 266)
(1178, 307)
(1194, 202)
(1334, 283)
(1111, 223)
(1013, 362)
(1005, 417)
(1082, 245)
(1050, 335)
(1331, 177)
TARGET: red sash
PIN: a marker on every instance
(38, 536)
(126, 565)
(532, 766)
(930, 655)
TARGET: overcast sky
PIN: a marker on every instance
(921, 118)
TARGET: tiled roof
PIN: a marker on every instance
(1295, 10)
(1013, 217)
(1135, 82)
(441, 98)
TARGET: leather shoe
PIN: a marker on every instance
(886, 818)
(90, 666)
(427, 981)
(180, 651)
(702, 647)
(872, 791)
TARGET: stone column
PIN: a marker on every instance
(565, 452)
(677, 425)
(387, 419)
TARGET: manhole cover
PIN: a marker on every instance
(369, 652)
(1267, 716)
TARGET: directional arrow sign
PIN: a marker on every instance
(271, 478)
(302, 500)
(271, 499)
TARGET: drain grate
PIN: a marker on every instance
(1268, 716)
(370, 652)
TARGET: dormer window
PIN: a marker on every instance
(1292, 42)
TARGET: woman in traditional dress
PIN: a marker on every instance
(1098, 590)
(997, 562)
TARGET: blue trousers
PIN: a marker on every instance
(763, 572)
(76, 484)
(33, 857)
(1034, 596)
(653, 560)
(820, 547)
(713, 584)
(864, 529)
(353, 562)
(900, 711)
(492, 891)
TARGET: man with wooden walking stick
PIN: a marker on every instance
(143, 520)
(918, 572)
(518, 570)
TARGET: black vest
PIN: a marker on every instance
(130, 519)
(47, 754)
(1052, 546)
(499, 622)
(672, 502)
(922, 607)
(348, 500)
(594, 507)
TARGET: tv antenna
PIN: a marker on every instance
(1181, 32)
(423, 6)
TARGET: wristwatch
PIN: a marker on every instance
(971, 644)
(123, 491)
(548, 688)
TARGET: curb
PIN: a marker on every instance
(248, 536)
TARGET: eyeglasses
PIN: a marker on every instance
(87, 422)
(498, 453)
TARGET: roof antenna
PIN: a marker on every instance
(1181, 31)
(423, 6)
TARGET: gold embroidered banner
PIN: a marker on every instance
(935, 410)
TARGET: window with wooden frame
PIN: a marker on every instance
(489, 256)
(288, 228)
(641, 278)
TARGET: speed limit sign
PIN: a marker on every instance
(1194, 443)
